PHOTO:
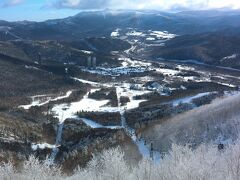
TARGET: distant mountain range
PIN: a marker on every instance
(211, 37)
(102, 23)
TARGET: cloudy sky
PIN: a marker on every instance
(48, 9)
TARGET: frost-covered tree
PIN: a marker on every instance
(182, 163)
(109, 165)
(34, 169)
(7, 171)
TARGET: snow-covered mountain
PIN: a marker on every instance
(102, 23)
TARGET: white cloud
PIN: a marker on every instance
(147, 4)
(82, 4)
(11, 2)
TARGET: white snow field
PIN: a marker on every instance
(190, 98)
(40, 100)
(69, 110)
(42, 146)
(162, 34)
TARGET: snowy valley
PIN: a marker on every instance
(147, 89)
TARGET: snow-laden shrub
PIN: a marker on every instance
(7, 171)
(110, 165)
(34, 169)
(204, 163)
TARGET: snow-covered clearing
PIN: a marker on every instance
(95, 125)
(233, 56)
(125, 90)
(115, 33)
(195, 78)
(169, 72)
(130, 49)
(42, 146)
(115, 71)
(186, 68)
(41, 100)
(145, 79)
(189, 78)
(149, 35)
(190, 98)
(162, 34)
(227, 84)
(220, 77)
(85, 81)
(135, 33)
(86, 52)
(150, 39)
(31, 67)
(64, 111)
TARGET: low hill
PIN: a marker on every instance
(215, 123)
(219, 48)
(73, 52)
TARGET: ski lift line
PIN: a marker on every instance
(58, 140)
(14, 35)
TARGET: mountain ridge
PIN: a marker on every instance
(102, 23)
